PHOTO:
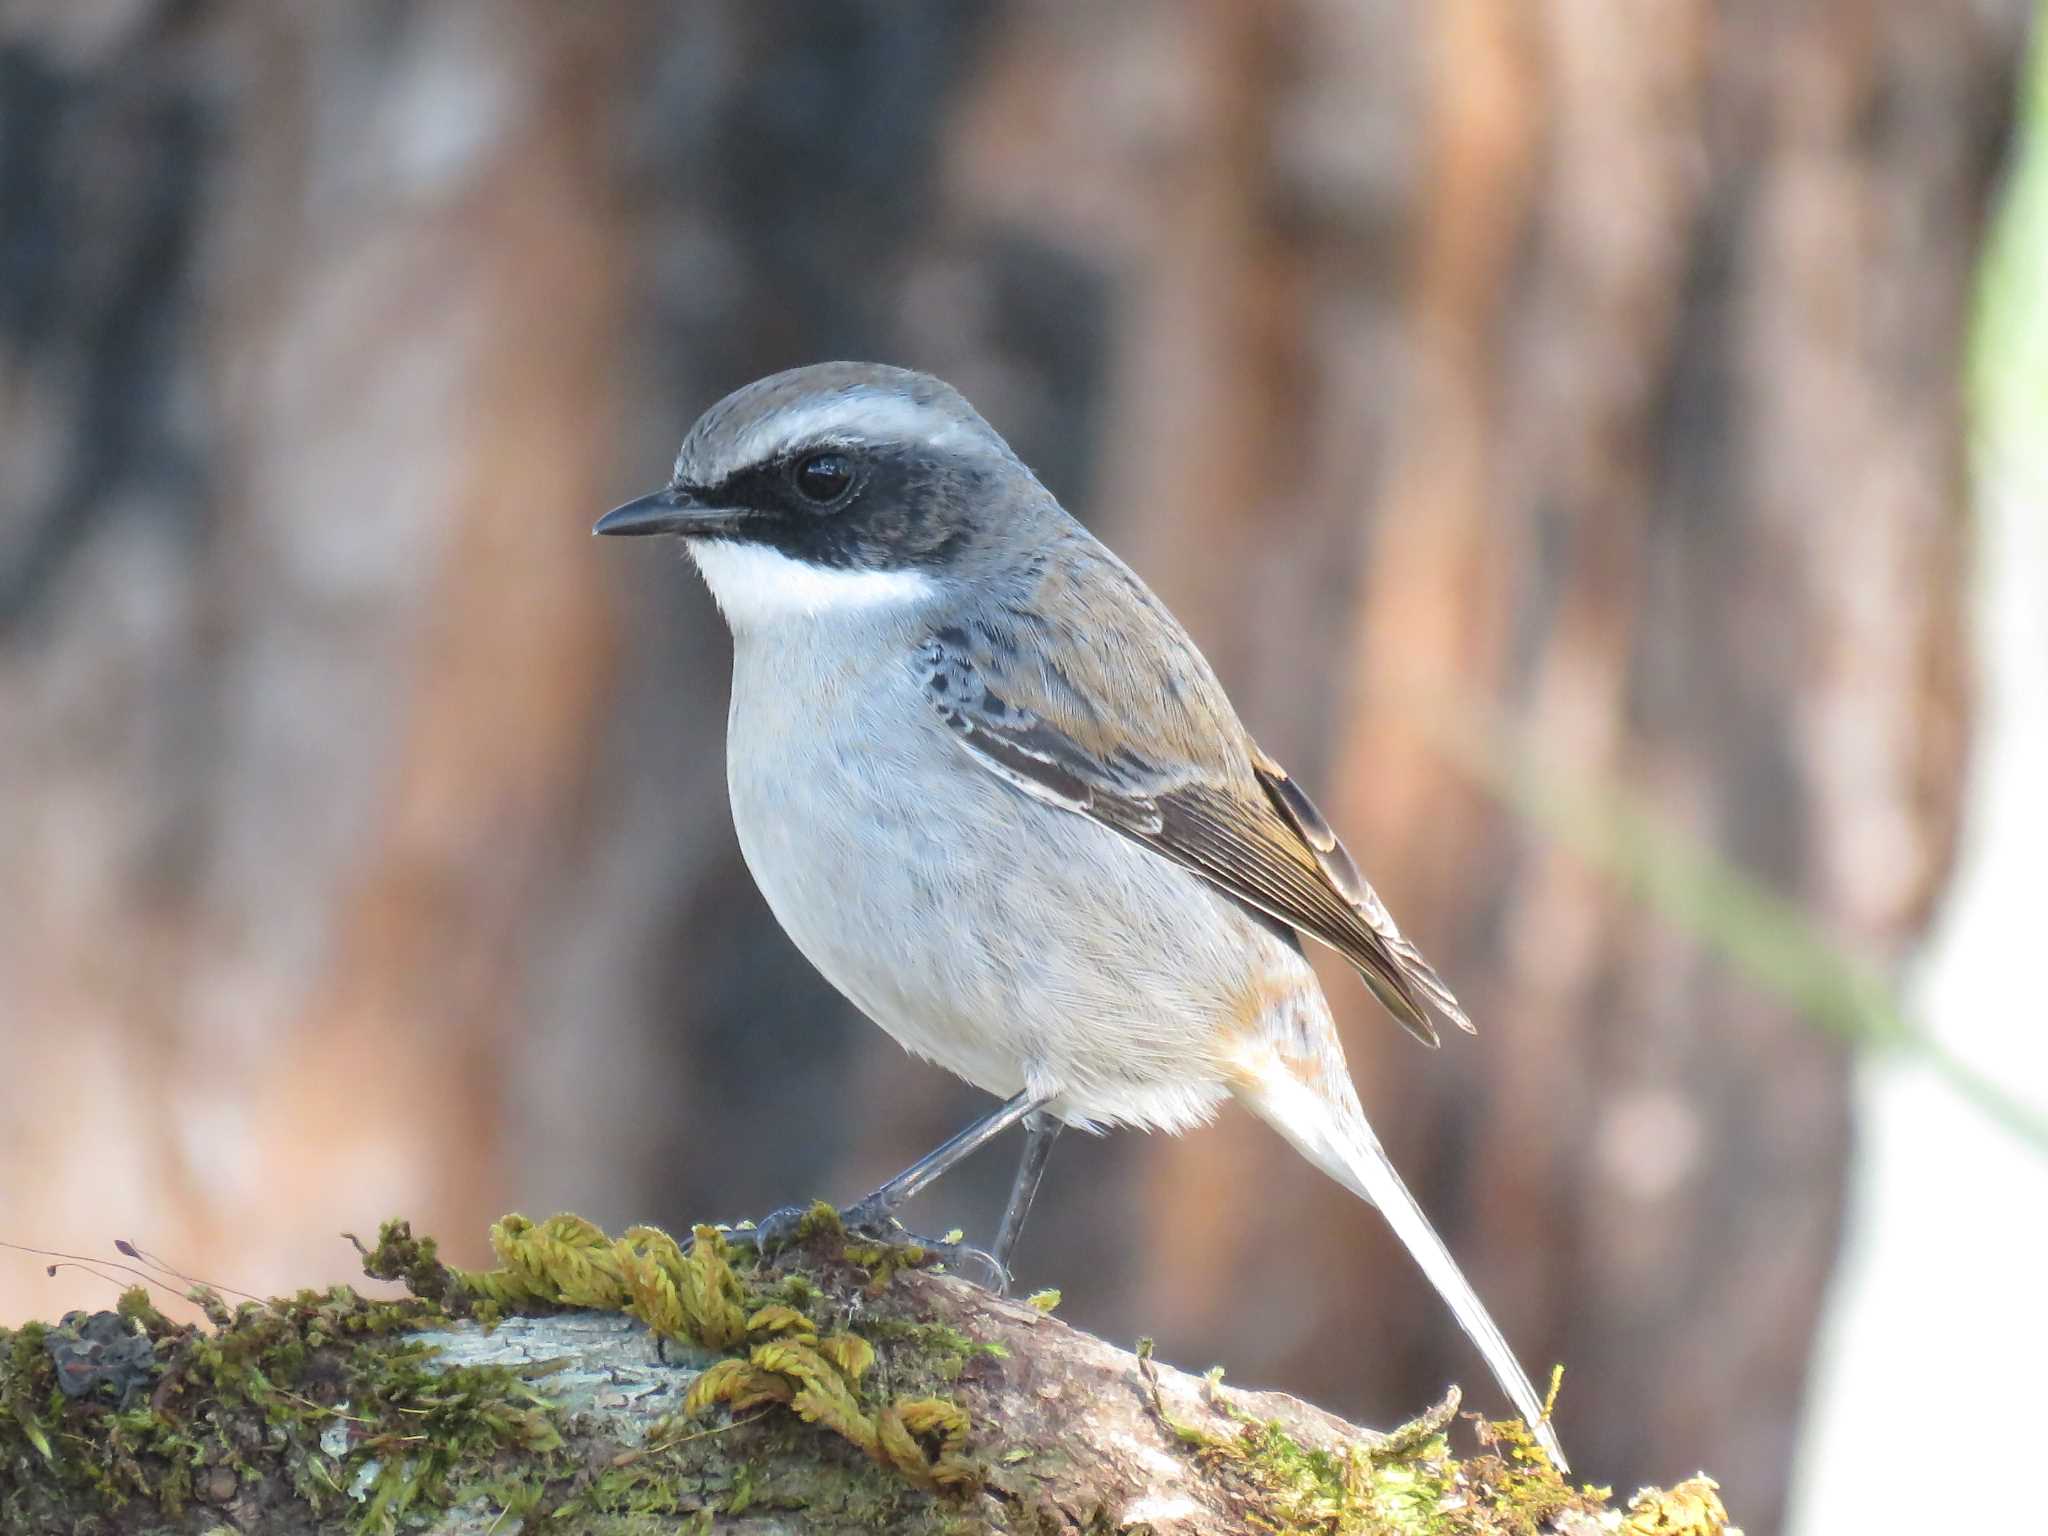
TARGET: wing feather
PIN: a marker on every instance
(1251, 832)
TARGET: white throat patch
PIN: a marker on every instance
(757, 585)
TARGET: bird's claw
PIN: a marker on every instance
(957, 1256)
(774, 1232)
(876, 1220)
(873, 1221)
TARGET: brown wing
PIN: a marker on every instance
(1239, 822)
(1338, 869)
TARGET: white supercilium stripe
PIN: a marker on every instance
(755, 585)
(864, 416)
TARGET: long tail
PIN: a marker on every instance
(1337, 1139)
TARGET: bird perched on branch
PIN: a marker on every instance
(997, 796)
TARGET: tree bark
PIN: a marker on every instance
(324, 1413)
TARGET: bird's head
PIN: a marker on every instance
(840, 486)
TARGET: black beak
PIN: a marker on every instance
(670, 510)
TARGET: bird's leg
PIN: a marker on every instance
(773, 1232)
(1040, 1131)
(876, 1213)
(873, 1213)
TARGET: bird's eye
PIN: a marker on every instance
(823, 478)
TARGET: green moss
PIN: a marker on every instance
(222, 1402)
(837, 1393)
(940, 1350)
(1692, 1508)
(420, 1434)
(368, 1427)
(1407, 1484)
(415, 1263)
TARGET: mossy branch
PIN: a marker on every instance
(615, 1385)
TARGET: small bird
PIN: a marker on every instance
(995, 794)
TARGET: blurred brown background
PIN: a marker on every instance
(363, 837)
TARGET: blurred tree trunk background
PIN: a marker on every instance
(363, 838)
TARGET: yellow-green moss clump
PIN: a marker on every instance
(776, 1354)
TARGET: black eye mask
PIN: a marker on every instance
(891, 508)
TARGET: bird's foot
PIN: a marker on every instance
(779, 1229)
(874, 1217)
(975, 1265)
(873, 1221)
